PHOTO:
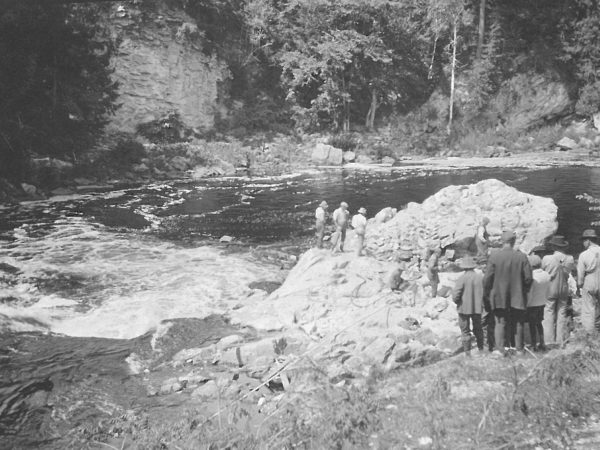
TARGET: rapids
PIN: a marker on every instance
(86, 279)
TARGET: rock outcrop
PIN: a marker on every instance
(327, 154)
(451, 216)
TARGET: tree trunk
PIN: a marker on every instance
(481, 28)
(453, 70)
(370, 122)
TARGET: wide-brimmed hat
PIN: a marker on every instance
(468, 262)
(589, 234)
(558, 241)
(323, 204)
(508, 236)
(362, 210)
(539, 249)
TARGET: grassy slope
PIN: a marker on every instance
(542, 401)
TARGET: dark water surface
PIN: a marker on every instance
(116, 264)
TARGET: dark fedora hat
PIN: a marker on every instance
(557, 241)
(589, 234)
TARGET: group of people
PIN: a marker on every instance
(341, 221)
(517, 288)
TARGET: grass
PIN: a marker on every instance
(477, 403)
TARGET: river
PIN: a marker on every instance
(85, 278)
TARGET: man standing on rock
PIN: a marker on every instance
(468, 295)
(340, 220)
(359, 223)
(508, 277)
(588, 280)
(321, 218)
(559, 265)
(482, 240)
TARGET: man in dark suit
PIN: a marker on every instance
(508, 278)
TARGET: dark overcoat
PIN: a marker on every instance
(508, 278)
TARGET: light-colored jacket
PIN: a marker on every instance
(340, 217)
(587, 268)
(540, 288)
(359, 223)
(468, 292)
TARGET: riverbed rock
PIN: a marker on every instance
(388, 160)
(207, 390)
(566, 143)
(349, 157)
(327, 154)
(364, 159)
(451, 216)
(29, 189)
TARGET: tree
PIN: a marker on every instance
(54, 82)
(341, 60)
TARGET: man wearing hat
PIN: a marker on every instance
(359, 223)
(468, 296)
(558, 265)
(340, 220)
(588, 279)
(508, 278)
(321, 218)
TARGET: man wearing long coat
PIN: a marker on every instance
(508, 278)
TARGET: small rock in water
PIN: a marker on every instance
(226, 239)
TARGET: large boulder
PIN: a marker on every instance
(327, 154)
(451, 217)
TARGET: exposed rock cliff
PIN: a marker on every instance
(160, 68)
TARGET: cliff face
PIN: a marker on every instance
(160, 68)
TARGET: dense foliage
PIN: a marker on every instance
(330, 65)
(55, 85)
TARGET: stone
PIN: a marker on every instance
(388, 160)
(140, 168)
(450, 217)
(364, 159)
(170, 385)
(326, 154)
(229, 341)
(530, 99)
(385, 214)
(566, 143)
(349, 157)
(379, 350)
(207, 390)
(226, 239)
(29, 189)
(61, 191)
(596, 120)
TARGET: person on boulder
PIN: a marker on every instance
(320, 219)
(559, 265)
(536, 301)
(433, 270)
(508, 278)
(359, 223)
(468, 296)
(482, 239)
(588, 280)
(340, 220)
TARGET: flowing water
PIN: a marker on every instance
(84, 279)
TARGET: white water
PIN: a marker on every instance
(125, 284)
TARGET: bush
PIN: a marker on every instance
(589, 99)
(344, 141)
(166, 130)
(127, 151)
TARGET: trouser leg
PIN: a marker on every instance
(477, 330)
(589, 312)
(550, 321)
(517, 317)
(360, 242)
(463, 322)
(562, 333)
(320, 235)
(533, 331)
(500, 328)
(487, 319)
(342, 239)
